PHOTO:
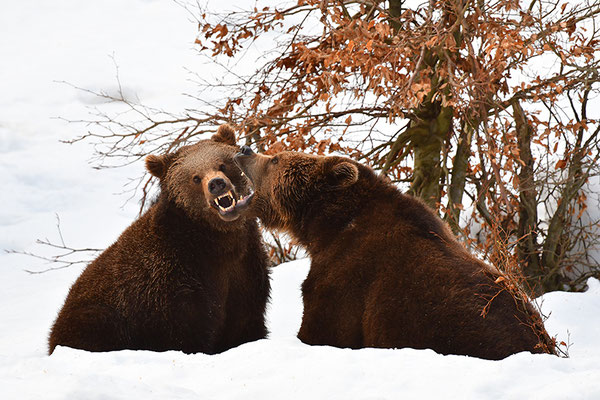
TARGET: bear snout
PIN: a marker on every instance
(245, 160)
(246, 150)
(217, 186)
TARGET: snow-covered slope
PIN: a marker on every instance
(151, 41)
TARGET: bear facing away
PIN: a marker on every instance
(385, 270)
(190, 274)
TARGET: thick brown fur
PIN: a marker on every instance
(180, 277)
(385, 271)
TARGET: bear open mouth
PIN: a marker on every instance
(227, 202)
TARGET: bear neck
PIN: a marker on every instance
(328, 213)
(185, 229)
(372, 201)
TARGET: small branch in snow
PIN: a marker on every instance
(64, 258)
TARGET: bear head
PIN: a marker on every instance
(289, 184)
(203, 180)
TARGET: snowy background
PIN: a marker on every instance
(45, 43)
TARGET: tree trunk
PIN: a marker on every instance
(429, 131)
(459, 176)
(527, 246)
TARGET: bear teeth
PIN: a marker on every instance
(227, 200)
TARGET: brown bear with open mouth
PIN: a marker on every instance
(190, 274)
(385, 271)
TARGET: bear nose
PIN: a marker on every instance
(246, 150)
(216, 186)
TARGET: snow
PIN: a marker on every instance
(44, 43)
(281, 366)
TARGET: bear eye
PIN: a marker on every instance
(196, 179)
(222, 167)
(274, 160)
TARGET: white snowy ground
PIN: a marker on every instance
(71, 40)
(281, 367)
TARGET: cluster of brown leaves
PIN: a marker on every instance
(462, 53)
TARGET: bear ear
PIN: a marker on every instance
(225, 134)
(157, 165)
(343, 174)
